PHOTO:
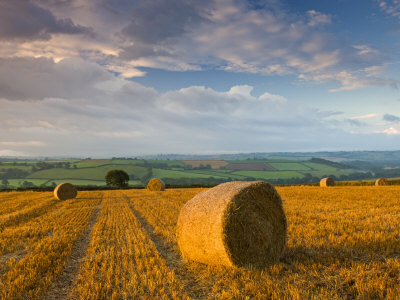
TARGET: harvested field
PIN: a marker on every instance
(343, 242)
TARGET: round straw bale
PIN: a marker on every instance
(65, 191)
(233, 224)
(156, 184)
(381, 181)
(327, 182)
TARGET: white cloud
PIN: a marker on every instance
(46, 124)
(317, 18)
(23, 144)
(12, 153)
(367, 116)
(131, 119)
(391, 131)
(391, 7)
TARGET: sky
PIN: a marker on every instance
(103, 78)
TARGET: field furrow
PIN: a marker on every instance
(34, 253)
(193, 285)
(122, 262)
(161, 209)
(61, 288)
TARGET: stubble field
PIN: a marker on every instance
(343, 243)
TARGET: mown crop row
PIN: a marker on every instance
(34, 250)
(343, 243)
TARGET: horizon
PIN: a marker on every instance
(218, 156)
(140, 78)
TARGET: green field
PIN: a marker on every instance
(18, 182)
(270, 174)
(92, 172)
(87, 173)
(161, 173)
(320, 167)
(289, 166)
(3, 168)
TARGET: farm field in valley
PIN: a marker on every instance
(343, 243)
(91, 172)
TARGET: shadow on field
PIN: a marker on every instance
(362, 252)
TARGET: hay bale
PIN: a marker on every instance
(233, 224)
(65, 191)
(327, 182)
(381, 181)
(156, 184)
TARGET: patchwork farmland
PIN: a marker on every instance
(91, 172)
(343, 243)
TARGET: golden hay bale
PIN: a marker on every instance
(65, 191)
(381, 181)
(156, 184)
(233, 224)
(327, 182)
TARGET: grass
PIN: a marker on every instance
(269, 174)
(86, 173)
(18, 182)
(320, 167)
(290, 166)
(162, 173)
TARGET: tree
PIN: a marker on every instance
(5, 182)
(27, 184)
(117, 178)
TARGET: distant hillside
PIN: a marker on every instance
(91, 172)
(327, 155)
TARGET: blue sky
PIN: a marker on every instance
(109, 78)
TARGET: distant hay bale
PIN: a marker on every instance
(156, 184)
(233, 224)
(65, 191)
(327, 182)
(381, 181)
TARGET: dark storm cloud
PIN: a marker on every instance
(391, 118)
(24, 20)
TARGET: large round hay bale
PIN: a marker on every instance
(381, 181)
(156, 184)
(65, 191)
(233, 224)
(327, 182)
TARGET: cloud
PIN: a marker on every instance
(391, 131)
(391, 7)
(23, 144)
(24, 20)
(317, 18)
(391, 118)
(259, 37)
(153, 22)
(367, 116)
(130, 119)
(262, 38)
(38, 78)
(12, 153)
